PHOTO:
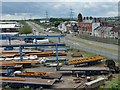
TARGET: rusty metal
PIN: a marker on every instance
(5, 63)
(26, 73)
(12, 79)
(88, 59)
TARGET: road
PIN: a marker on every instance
(98, 48)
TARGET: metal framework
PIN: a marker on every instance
(33, 45)
(34, 37)
(25, 81)
(19, 63)
(27, 73)
(85, 70)
(85, 60)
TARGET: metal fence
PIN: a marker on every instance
(104, 40)
(91, 50)
(94, 50)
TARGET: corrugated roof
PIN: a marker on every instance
(8, 22)
(8, 26)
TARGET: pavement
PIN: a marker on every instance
(98, 48)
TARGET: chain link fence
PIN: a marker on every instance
(90, 50)
(98, 39)
(93, 50)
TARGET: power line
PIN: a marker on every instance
(46, 13)
(71, 13)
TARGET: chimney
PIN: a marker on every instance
(91, 18)
(99, 21)
(84, 18)
(80, 17)
(87, 18)
(95, 20)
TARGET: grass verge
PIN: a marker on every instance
(99, 47)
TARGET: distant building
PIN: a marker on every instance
(104, 32)
(87, 24)
(115, 32)
(68, 26)
(9, 27)
(44, 21)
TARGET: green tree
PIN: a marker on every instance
(26, 29)
(56, 24)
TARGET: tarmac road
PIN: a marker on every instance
(107, 50)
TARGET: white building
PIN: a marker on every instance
(94, 26)
(103, 31)
(9, 27)
(62, 27)
(66, 26)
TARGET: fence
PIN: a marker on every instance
(95, 51)
(104, 40)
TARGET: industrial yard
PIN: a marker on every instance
(52, 51)
(52, 66)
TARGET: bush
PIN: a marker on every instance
(26, 29)
(114, 84)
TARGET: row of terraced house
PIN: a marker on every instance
(90, 26)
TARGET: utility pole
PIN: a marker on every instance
(71, 13)
(46, 13)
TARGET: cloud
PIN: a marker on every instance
(61, 9)
(60, 0)
(112, 13)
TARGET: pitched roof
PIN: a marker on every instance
(105, 29)
(87, 21)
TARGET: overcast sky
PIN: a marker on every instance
(61, 9)
(60, 0)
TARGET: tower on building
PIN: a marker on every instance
(79, 21)
(79, 17)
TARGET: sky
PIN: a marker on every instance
(61, 8)
(60, 0)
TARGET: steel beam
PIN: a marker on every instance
(56, 53)
(58, 39)
(21, 57)
(34, 37)
(53, 36)
(31, 45)
(34, 45)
